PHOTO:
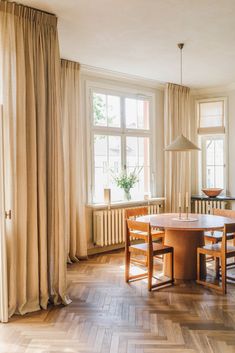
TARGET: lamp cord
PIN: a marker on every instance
(180, 46)
(181, 67)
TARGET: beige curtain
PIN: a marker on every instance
(74, 145)
(177, 164)
(34, 167)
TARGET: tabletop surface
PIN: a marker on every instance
(203, 221)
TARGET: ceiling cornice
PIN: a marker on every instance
(119, 76)
(92, 71)
(213, 90)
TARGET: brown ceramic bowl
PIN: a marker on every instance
(212, 192)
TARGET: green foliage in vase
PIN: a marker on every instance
(127, 181)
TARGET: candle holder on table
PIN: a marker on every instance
(187, 213)
(185, 217)
(180, 212)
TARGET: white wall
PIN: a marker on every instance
(230, 94)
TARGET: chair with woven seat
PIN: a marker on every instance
(141, 230)
(221, 252)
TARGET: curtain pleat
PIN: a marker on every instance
(177, 164)
(36, 243)
(74, 146)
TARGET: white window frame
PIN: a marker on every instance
(204, 164)
(122, 92)
(215, 129)
(215, 133)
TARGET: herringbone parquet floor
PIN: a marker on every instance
(109, 316)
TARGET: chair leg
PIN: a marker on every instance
(146, 261)
(224, 275)
(198, 266)
(172, 266)
(150, 272)
(234, 245)
(127, 267)
(217, 266)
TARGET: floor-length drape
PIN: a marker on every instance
(30, 67)
(177, 164)
(74, 146)
(3, 251)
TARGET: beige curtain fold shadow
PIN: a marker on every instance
(36, 245)
(177, 164)
(74, 150)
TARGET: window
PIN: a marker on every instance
(211, 116)
(121, 139)
(211, 128)
(214, 164)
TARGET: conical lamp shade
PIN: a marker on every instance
(181, 143)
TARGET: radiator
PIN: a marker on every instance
(204, 206)
(109, 225)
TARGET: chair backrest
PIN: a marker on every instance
(229, 228)
(136, 212)
(223, 213)
(138, 230)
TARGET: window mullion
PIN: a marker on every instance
(107, 165)
(123, 133)
(215, 171)
(214, 166)
(124, 152)
(204, 162)
(106, 110)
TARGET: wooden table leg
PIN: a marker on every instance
(185, 244)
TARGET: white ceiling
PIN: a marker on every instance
(139, 37)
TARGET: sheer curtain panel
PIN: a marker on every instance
(74, 145)
(177, 164)
(34, 167)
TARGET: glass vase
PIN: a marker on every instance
(127, 195)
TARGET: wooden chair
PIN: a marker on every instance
(221, 252)
(216, 237)
(140, 230)
(157, 235)
(133, 213)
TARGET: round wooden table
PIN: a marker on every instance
(185, 237)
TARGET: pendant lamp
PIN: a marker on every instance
(181, 143)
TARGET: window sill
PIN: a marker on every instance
(126, 203)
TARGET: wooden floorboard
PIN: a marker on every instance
(109, 316)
